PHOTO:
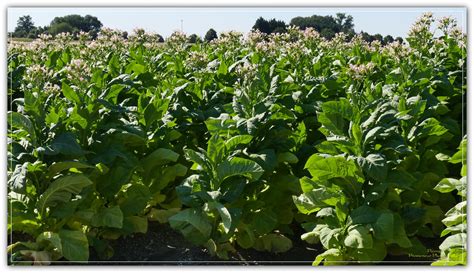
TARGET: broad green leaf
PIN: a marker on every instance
(401, 179)
(457, 209)
(454, 219)
(223, 69)
(433, 127)
(267, 159)
(462, 227)
(158, 157)
(135, 224)
(461, 187)
(335, 116)
(70, 94)
(308, 184)
(458, 255)
(239, 167)
(129, 136)
(399, 234)
(356, 133)
(329, 211)
(341, 211)
(330, 167)
(310, 237)
(75, 246)
(17, 120)
(75, 117)
(216, 149)
(113, 92)
(58, 167)
(376, 253)
(276, 243)
(221, 125)
(330, 255)
(374, 165)
(136, 68)
(38, 257)
(245, 237)
(287, 157)
(187, 191)
(52, 238)
(211, 246)
(162, 215)
(226, 218)
(364, 215)
(264, 221)
(113, 181)
(446, 185)
(383, 227)
(189, 221)
(65, 210)
(358, 237)
(169, 175)
(53, 58)
(197, 157)
(234, 141)
(313, 201)
(108, 217)
(454, 241)
(134, 199)
(65, 144)
(460, 155)
(60, 191)
(373, 133)
(329, 237)
(17, 180)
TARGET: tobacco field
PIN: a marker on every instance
(234, 142)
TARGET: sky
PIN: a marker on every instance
(165, 20)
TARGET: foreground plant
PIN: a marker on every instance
(454, 247)
(238, 142)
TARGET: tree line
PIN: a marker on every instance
(70, 23)
(328, 26)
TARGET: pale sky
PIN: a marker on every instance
(165, 20)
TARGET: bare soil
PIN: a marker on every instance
(162, 245)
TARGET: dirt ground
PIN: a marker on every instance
(163, 245)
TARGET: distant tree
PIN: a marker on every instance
(262, 25)
(42, 30)
(378, 37)
(388, 39)
(279, 30)
(211, 34)
(160, 38)
(399, 39)
(327, 33)
(366, 37)
(76, 23)
(24, 27)
(327, 26)
(345, 23)
(93, 34)
(92, 23)
(277, 26)
(193, 38)
(125, 35)
(57, 28)
(271, 26)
